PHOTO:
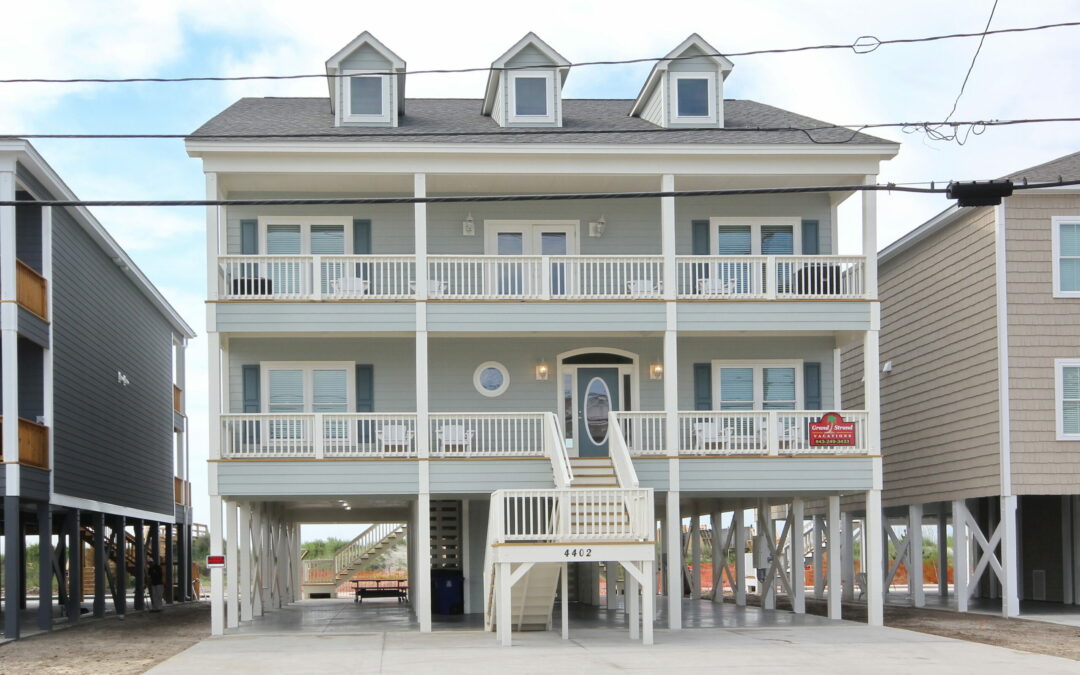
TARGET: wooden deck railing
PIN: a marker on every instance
(31, 290)
(178, 399)
(33, 443)
(181, 491)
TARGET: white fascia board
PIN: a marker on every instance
(111, 509)
(37, 165)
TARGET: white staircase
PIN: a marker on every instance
(367, 546)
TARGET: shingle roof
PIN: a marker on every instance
(461, 122)
(1067, 167)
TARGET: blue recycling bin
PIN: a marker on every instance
(447, 592)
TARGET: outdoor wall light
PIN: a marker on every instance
(542, 371)
(887, 367)
(468, 226)
(597, 228)
(656, 371)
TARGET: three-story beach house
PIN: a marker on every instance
(530, 382)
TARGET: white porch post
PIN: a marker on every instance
(648, 602)
(798, 556)
(738, 521)
(232, 604)
(819, 558)
(835, 562)
(695, 556)
(765, 531)
(873, 556)
(246, 605)
(1010, 558)
(719, 555)
(673, 534)
(564, 596)
(960, 554)
(943, 550)
(633, 603)
(611, 581)
(502, 604)
(847, 556)
(673, 577)
(422, 588)
(9, 345)
(915, 556)
(217, 577)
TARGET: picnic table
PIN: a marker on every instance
(380, 588)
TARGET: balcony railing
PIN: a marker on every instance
(741, 277)
(741, 433)
(574, 514)
(488, 434)
(33, 443)
(31, 290)
(609, 277)
(318, 435)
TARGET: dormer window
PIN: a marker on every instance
(367, 84)
(367, 98)
(531, 97)
(694, 98)
(525, 84)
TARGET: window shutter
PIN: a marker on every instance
(251, 388)
(702, 386)
(701, 237)
(249, 237)
(361, 236)
(811, 242)
(812, 386)
(365, 388)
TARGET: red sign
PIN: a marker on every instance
(832, 430)
(215, 561)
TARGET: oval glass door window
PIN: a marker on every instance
(597, 408)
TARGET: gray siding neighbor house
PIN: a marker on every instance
(980, 407)
(93, 429)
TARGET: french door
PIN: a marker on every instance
(508, 277)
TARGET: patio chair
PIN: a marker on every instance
(454, 436)
(394, 436)
(714, 286)
(350, 285)
(711, 435)
(644, 287)
(435, 288)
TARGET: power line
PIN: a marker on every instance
(974, 58)
(468, 199)
(863, 45)
(351, 133)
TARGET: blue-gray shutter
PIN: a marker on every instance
(365, 388)
(249, 237)
(811, 241)
(812, 386)
(702, 386)
(701, 237)
(251, 389)
(361, 236)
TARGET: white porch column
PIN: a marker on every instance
(633, 603)
(232, 551)
(960, 554)
(564, 600)
(763, 557)
(611, 581)
(503, 629)
(673, 577)
(217, 576)
(422, 587)
(667, 239)
(246, 605)
(819, 557)
(869, 236)
(648, 602)
(1010, 558)
(915, 557)
(738, 521)
(873, 556)
(847, 556)
(835, 555)
(943, 550)
(9, 346)
(695, 556)
(214, 224)
(719, 555)
(798, 555)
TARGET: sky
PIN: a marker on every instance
(1016, 76)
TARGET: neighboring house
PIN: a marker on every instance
(93, 428)
(575, 363)
(980, 335)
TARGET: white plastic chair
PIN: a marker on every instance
(715, 286)
(455, 436)
(394, 436)
(644, 287)
(435, 288)
(350, 285)
(708, 434)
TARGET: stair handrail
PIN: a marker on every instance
(361, 544)
(620, 454)
(556, 448)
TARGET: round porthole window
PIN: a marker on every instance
(491, 378)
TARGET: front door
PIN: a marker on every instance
(597, 396)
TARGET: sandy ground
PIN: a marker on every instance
(110, 645)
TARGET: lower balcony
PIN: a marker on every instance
(33, 443)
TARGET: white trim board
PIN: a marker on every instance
(114, 509)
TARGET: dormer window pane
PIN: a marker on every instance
(530, 95)
(693, 97)
(365, 94)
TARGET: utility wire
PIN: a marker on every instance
(548, 197)
(974, 58)
(863, 45)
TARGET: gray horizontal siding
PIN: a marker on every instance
(773, 316)
(391, 224)
(795, 474)
(33, 328)
(315, 317)
(599, 317)
(485, 476)
(34, 483)
(298, 479)
(652, 473)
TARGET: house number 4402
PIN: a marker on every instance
(577, 553)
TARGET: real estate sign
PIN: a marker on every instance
(832, 430)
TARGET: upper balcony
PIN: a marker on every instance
(358, 278)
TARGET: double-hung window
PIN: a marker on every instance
(752, 385)
(293, 389)
(1066, 253)
(693, 98)
(532, 96)
(290, 239)
(754, 237)
(366, 98)
(1067, 398)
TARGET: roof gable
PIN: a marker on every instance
(528, 51)
(365, 48)
(693, 46)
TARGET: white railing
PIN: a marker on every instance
(576, 514)
(317, 571)
(771, 277)
(556, 447)
(318, 435)
(620, 454)
(488, 434)
(316, 277)
(773, 432)
(643, 432)
(545, 277)
(360, 546)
